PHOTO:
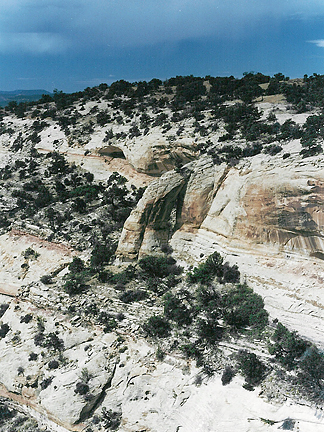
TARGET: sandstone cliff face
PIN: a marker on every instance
(260, 201)
(176, 199)
(280, 205)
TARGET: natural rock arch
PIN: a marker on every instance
(112, 151)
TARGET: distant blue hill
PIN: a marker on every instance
(21, 96)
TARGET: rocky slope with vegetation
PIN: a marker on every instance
(161, 257)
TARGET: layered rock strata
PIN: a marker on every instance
(259, 202)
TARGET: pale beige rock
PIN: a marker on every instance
(261, 201)
(176, 199)
(148, 225)
(151, 154)
(201, 188)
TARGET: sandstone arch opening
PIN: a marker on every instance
(112, 151)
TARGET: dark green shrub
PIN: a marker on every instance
(120, 316)
(313, 363)
(156, 285)
(176, 310)
(33, 356)
(251, 367)
(227, 375)
(272, 149)
(105, 276)
(39, 338)
(77, 265)
(46, 382)
(209, 300)
(231, 274)
(311, 151)
(288, 424)
(26, 318)
(3, 308)
(46, 279)
(6, 412)
(171, 281)
(206, 271)
(53, 364)
(81, 388)
(30, 253)
(159, 266)
(209, 330)
(288, 347)
(131, 296)
(4, 329)
(107, 320)
(102, 253)
(191, 350)
(111, 419)
(88, 192)
(75, 284)
(160, 354)
(102, 118)
(52, 341)
(242, 307)
(4, 222)
(157, 326)
(125, 276)
(79, 205)
(252, 150)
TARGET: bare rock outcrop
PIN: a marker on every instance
(259, 202)
(148, 226)
(177, 198)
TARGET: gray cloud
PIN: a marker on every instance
(31, 42)
(54, 26)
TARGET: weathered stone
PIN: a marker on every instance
(200, 191)
(151, 155)
(148, 225)
(253, 203)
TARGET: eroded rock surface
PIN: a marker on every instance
(269, 202)
(151, 155)
(266, 215)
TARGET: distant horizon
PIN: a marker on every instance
(141, 80)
